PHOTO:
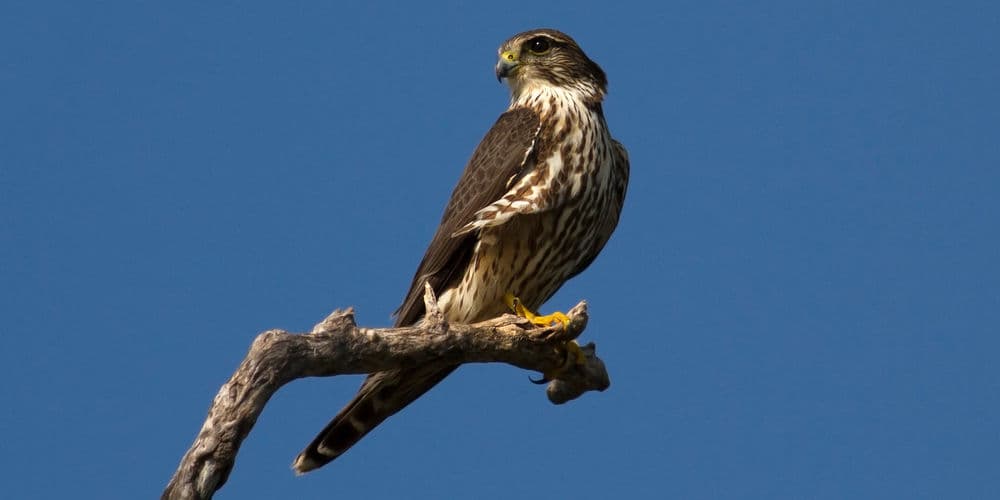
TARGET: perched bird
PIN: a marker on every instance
(537, 201)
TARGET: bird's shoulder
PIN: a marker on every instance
(501, 157)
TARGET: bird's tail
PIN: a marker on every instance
(380, 396)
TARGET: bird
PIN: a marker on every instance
(539, 198)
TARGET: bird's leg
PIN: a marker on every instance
(515, 305)
(574, 355)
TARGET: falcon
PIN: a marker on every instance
(536, 203)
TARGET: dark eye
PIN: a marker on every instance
(538, 45)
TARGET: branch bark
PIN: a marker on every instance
(337, 346)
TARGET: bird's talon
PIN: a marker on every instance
(556, 317)
(513, 303)
(574, 357)
(517, 306)
(573, 350)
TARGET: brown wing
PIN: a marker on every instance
(501, 158)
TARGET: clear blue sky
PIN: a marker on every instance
(802, 299)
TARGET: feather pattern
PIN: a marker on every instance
(536, 203)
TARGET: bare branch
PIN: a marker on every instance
(337, 346)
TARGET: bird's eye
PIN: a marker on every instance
(538, 45)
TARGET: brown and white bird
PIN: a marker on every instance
(537, 201)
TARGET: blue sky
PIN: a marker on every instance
(801, 300)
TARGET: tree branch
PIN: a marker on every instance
(337, 346)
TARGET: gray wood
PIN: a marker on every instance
(337, 346)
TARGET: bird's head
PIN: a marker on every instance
(546, 57)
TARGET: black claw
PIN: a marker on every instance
(543, 380)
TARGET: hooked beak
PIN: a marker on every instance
(505, 66)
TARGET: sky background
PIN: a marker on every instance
(802, 299)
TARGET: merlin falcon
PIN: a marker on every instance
(536, 203)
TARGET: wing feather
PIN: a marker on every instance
(503, 156)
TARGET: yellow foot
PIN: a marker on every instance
(515, 305)
(574, 355)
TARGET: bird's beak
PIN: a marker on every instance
(508, 61)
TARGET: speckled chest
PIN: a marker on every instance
(533, 254)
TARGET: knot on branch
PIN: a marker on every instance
(337, 320)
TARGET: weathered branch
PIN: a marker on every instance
(337, 346)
